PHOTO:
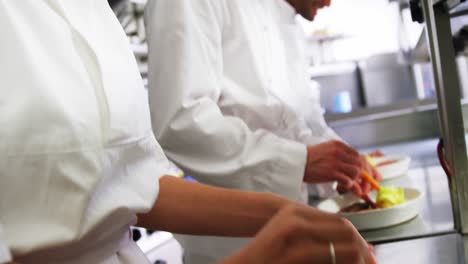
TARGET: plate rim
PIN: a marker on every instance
(420, 196)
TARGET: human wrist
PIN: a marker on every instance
(276, 203)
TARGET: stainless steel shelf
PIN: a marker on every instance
(459, 10)
(456, 4)
(403, 122)
(449, 3)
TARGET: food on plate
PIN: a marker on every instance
(356, 207)
(376, 154)
(390, 196)
(373, 162)
(355, 210)
(386, 198)
(387, 162)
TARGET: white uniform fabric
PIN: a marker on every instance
(239, 107)
(78, 156)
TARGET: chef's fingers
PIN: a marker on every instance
(352, 160)
(309, 251)
(342, 179)
(323, 228)
(353, 172)
(365, 187)
(347, 149)
(352, 254)
(309, 215)
(356, 190)
(376, 174)
(373, 259)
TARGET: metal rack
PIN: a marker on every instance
(130, 14)
(437, 14)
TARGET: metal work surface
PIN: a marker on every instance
(445, 249)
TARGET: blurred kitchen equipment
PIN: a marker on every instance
(342, 102)
(424, 80)
(338, 78)
(387, 78)
(462, 67)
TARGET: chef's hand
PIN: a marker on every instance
(362, 186)
(334, 161)
(365, 185)
(299, 234)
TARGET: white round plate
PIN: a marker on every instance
(375, 218)
(394, 170)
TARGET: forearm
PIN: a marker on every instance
(196, 209)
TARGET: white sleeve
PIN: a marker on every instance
(5, 255)
(315, 122)
(330, 134)
(315, 116)
(186, 79)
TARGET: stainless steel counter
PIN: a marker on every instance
(446, 249)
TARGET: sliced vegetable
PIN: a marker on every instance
(390, 196)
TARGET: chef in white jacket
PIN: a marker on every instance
(241, 111)
(78, 157)
(79, 163)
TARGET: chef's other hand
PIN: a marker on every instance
(361, 186)
(299, 234)
(365, 185)
(333, 161)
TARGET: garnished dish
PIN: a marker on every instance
(395, 206)
(386, 198)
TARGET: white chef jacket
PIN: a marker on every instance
(78, 156)
(239, 107)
